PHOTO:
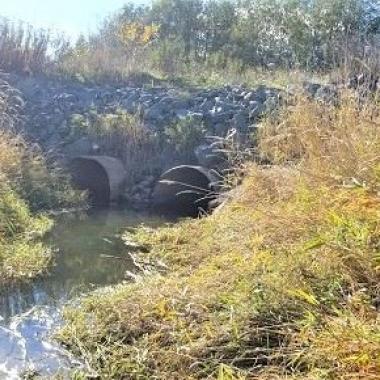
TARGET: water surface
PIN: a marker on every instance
(90, 254)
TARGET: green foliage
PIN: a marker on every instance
(198, 39)
(21, 255)
(185, 135)
(45, 186)
(123, 135)
(259, 32)
(15, 217)
(170, 35)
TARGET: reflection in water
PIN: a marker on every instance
(89, 254)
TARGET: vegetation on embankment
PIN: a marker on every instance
(29, 186)
(280, 283)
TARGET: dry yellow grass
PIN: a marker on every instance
(334, 144)
(282, 283)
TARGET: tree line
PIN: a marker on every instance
(285, 33)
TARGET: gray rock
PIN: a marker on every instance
(156, 112)
(206, 105)
(271, 104)
(256, 110)
(50, 104)
(311, 88)
(215, 117)
(261, 94)
(167, 100)
(240, 121)
(180, 104)
(249, 96)
(221, 129)
(327, 94)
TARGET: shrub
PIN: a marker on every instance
(185, 135)
(22, 256)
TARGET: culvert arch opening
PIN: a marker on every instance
(101, 176)
(184, 191)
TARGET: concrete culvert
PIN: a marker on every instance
(101, 176)
(184, 191)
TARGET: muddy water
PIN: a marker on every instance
(90, 254)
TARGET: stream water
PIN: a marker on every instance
(90, 254)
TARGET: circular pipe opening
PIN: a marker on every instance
(101, 176)
(184, 191)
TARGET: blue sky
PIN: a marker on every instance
(70, 16)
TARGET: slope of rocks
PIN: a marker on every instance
(50, 105)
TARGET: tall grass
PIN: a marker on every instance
(22, 48)
(337, 144)
(21, 255)
(100, 63)
(28, 187)
(10, 106)
(28, 50)
(282, 283)
(109, 64)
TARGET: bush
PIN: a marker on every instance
(185, 135)
(123, 135)
(334, 143)
(197, 39)
(22, 257)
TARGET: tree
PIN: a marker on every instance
(179, 20)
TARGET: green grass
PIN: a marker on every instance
(282, 283)
(22, 255)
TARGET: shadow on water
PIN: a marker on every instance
(90, 254)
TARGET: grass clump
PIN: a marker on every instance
(22, 255)
(124, 135)
(185, 135)
(280, 283)
(25, 184)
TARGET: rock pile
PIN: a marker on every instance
(50, 105)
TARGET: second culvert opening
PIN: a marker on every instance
(184, 191)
